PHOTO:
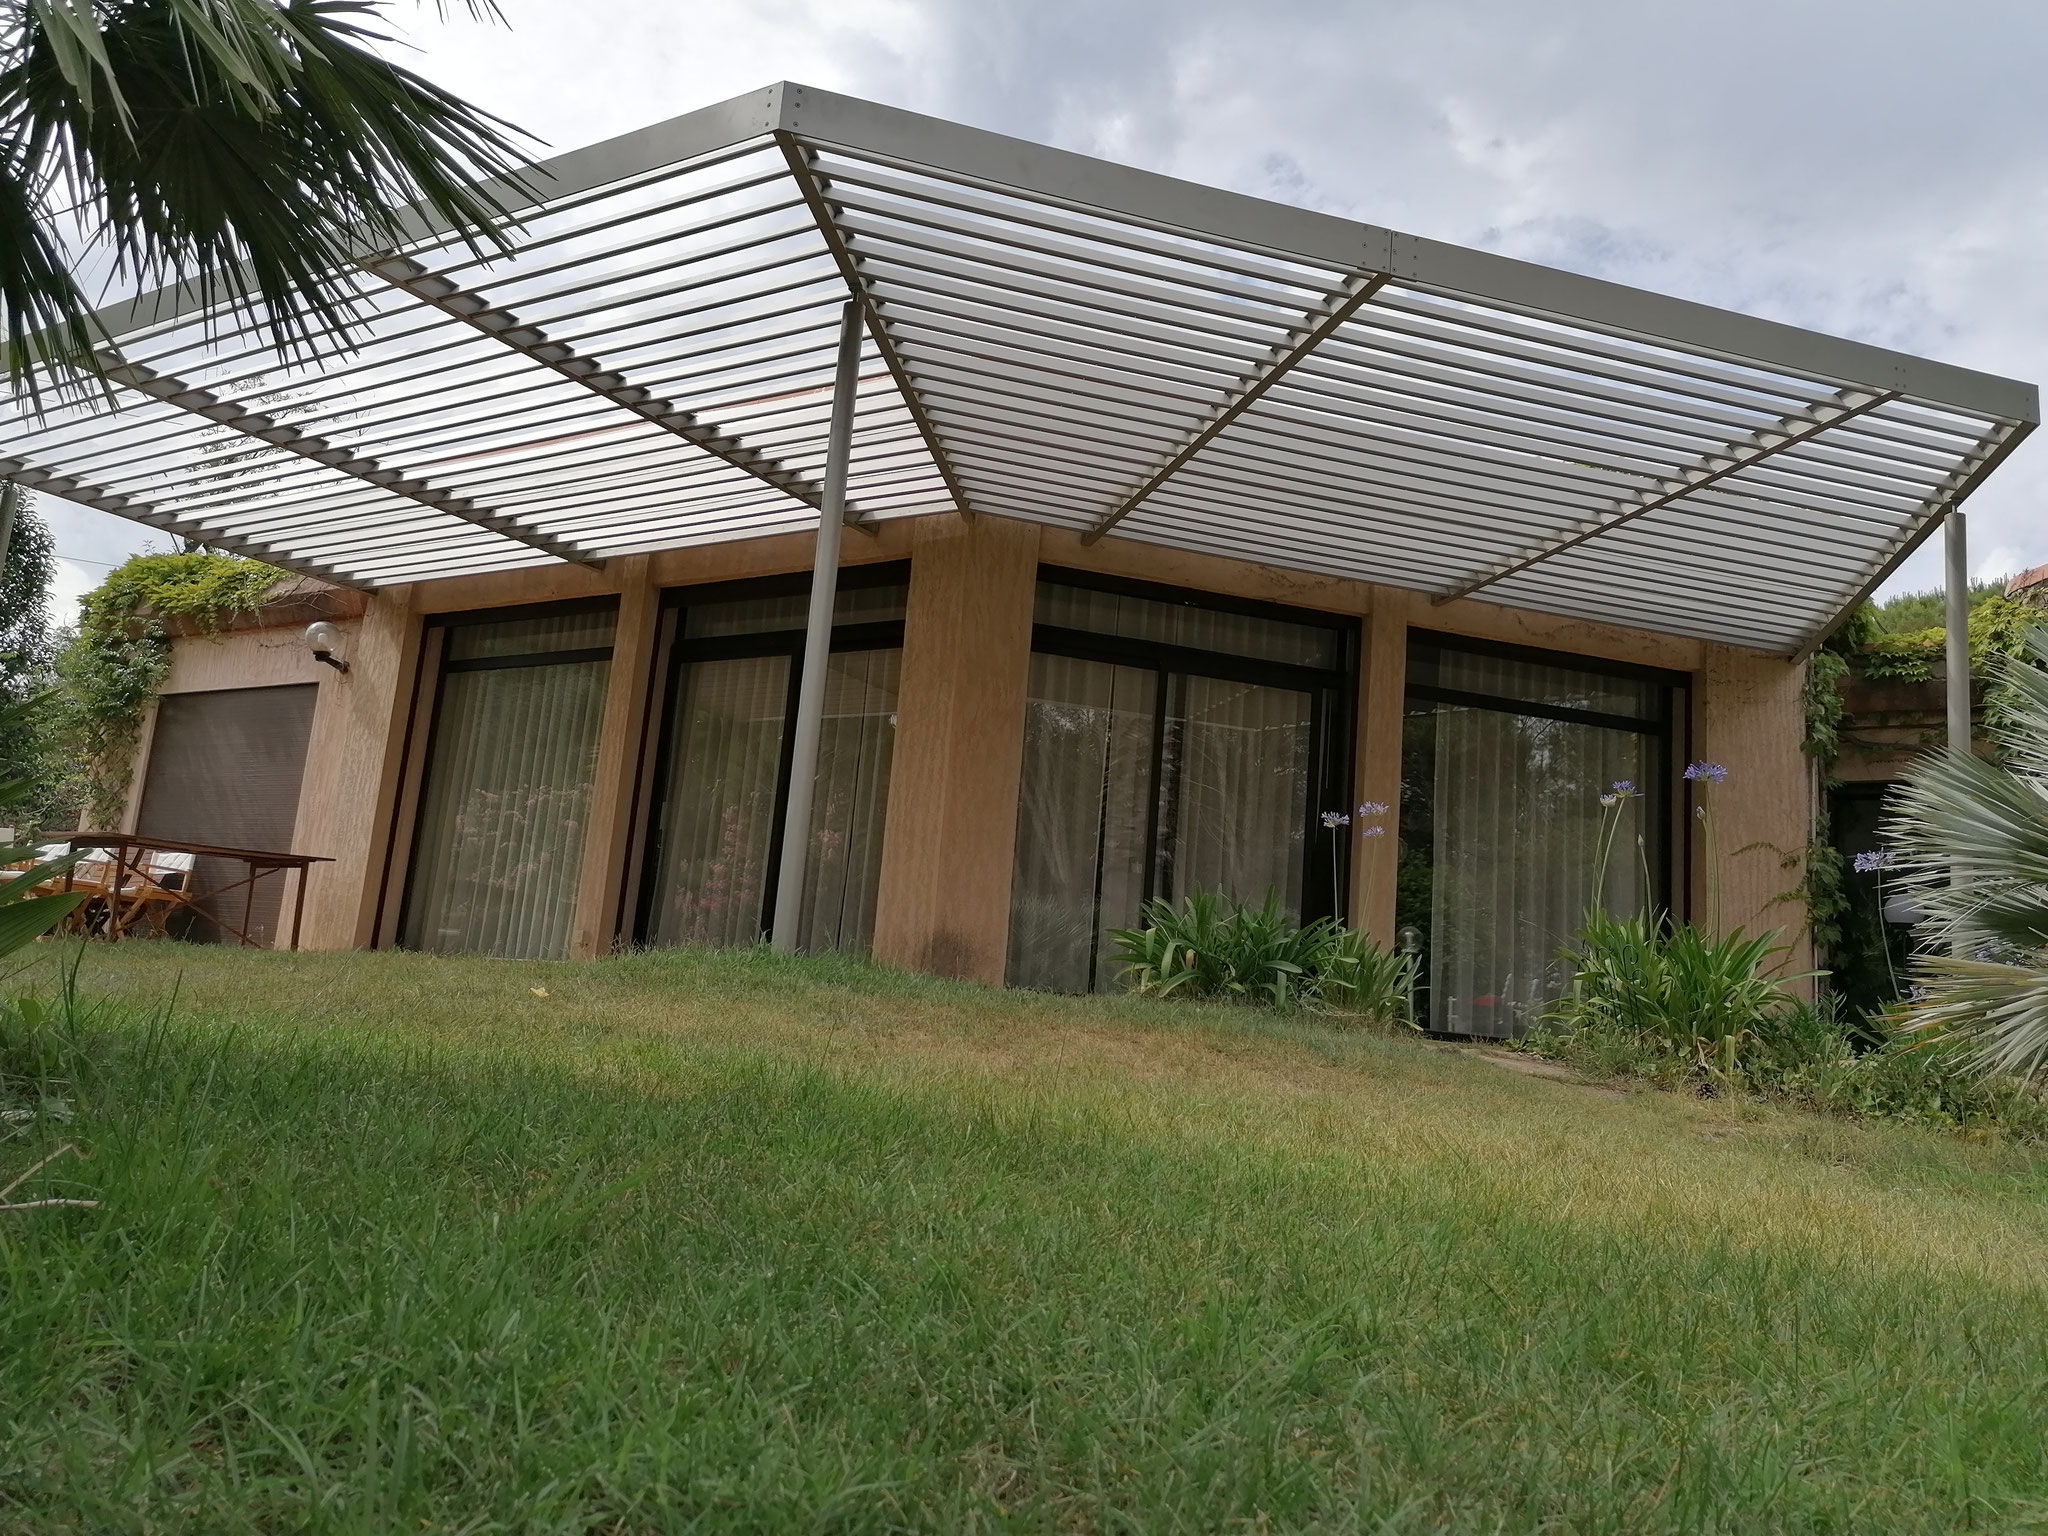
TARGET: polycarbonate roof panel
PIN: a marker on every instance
(1049, 337)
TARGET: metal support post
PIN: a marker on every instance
(1958, 620)
(810, 694)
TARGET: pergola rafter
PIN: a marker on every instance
(1048, 337)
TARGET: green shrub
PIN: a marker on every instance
(1684, 1010)
(1209, 946)
(1674, 996)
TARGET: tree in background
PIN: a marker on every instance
(27, 659)
(253, 148)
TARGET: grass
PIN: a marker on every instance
(721, 1242)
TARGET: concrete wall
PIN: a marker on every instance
(944, 899)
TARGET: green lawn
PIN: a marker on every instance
(719, 1242)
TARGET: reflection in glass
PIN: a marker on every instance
(1083, 834)
(1501, 828)
(719, 823)
(722, 805)
(1138, 782)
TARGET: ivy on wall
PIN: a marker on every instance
(1999, 626)
(117, 661)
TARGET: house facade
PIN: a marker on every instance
(1174, 540)
(1024, 739)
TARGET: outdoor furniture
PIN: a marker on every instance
(136, 885)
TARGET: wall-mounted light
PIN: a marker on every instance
(323, 640)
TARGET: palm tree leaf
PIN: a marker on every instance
(264, 150)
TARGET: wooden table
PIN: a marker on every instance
(127, 849)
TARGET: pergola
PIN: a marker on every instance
(1046, 336)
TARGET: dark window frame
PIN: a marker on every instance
(677, 652)
(434, 635)
(1333, 693)
(1669, 728)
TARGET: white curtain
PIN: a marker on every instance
(1236, 765)
(722, 811)
(503, 814)
(1083, 820)
(1229, 807)
(718, 822)
(856, 745)
(1517, 827)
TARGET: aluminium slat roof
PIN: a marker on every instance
(1050, 337)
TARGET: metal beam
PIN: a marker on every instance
(1740, 455)
(253, 424)
(19, 472)
(810, 696)
(813, 188)
(1356, 291)
(476, 311)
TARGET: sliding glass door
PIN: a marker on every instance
(1155, 768)
(498, 842)
(714, 839)
(1506, 842)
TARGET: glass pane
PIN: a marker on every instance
(1234, 795)
(1082, 814)
(1504, 811)
(855, 746)
(531, 637)
(719, 815)
(1535, 682)
(503, 811)
(1188, 624)
(768, 615)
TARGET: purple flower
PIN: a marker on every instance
(1713, 773)
(1335, 819)
(1623, 788)
(1373, 808)
(1871, 863)
(1372, 832)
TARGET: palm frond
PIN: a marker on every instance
(1972, 835)
(258, 152)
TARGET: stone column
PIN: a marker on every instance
(621, 736)
(944, 902)
(354, 759)
(1749, 716)
(1382, 691)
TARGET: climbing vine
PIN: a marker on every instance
(1826, 704)
(117, 661)
(1999, 626)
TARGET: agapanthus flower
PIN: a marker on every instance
(1610, 801)
(1870, 863)
(1373, 808)
(1335, 819)
(1713, 773)
(1372, 831)
(1623, 788)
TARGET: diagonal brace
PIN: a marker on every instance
(23, 473)
(1954, 488)
(474, 309)
(254, 424)
(1749, 450)
(813, 187)
(1353, 295)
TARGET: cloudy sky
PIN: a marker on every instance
(1874, 168)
